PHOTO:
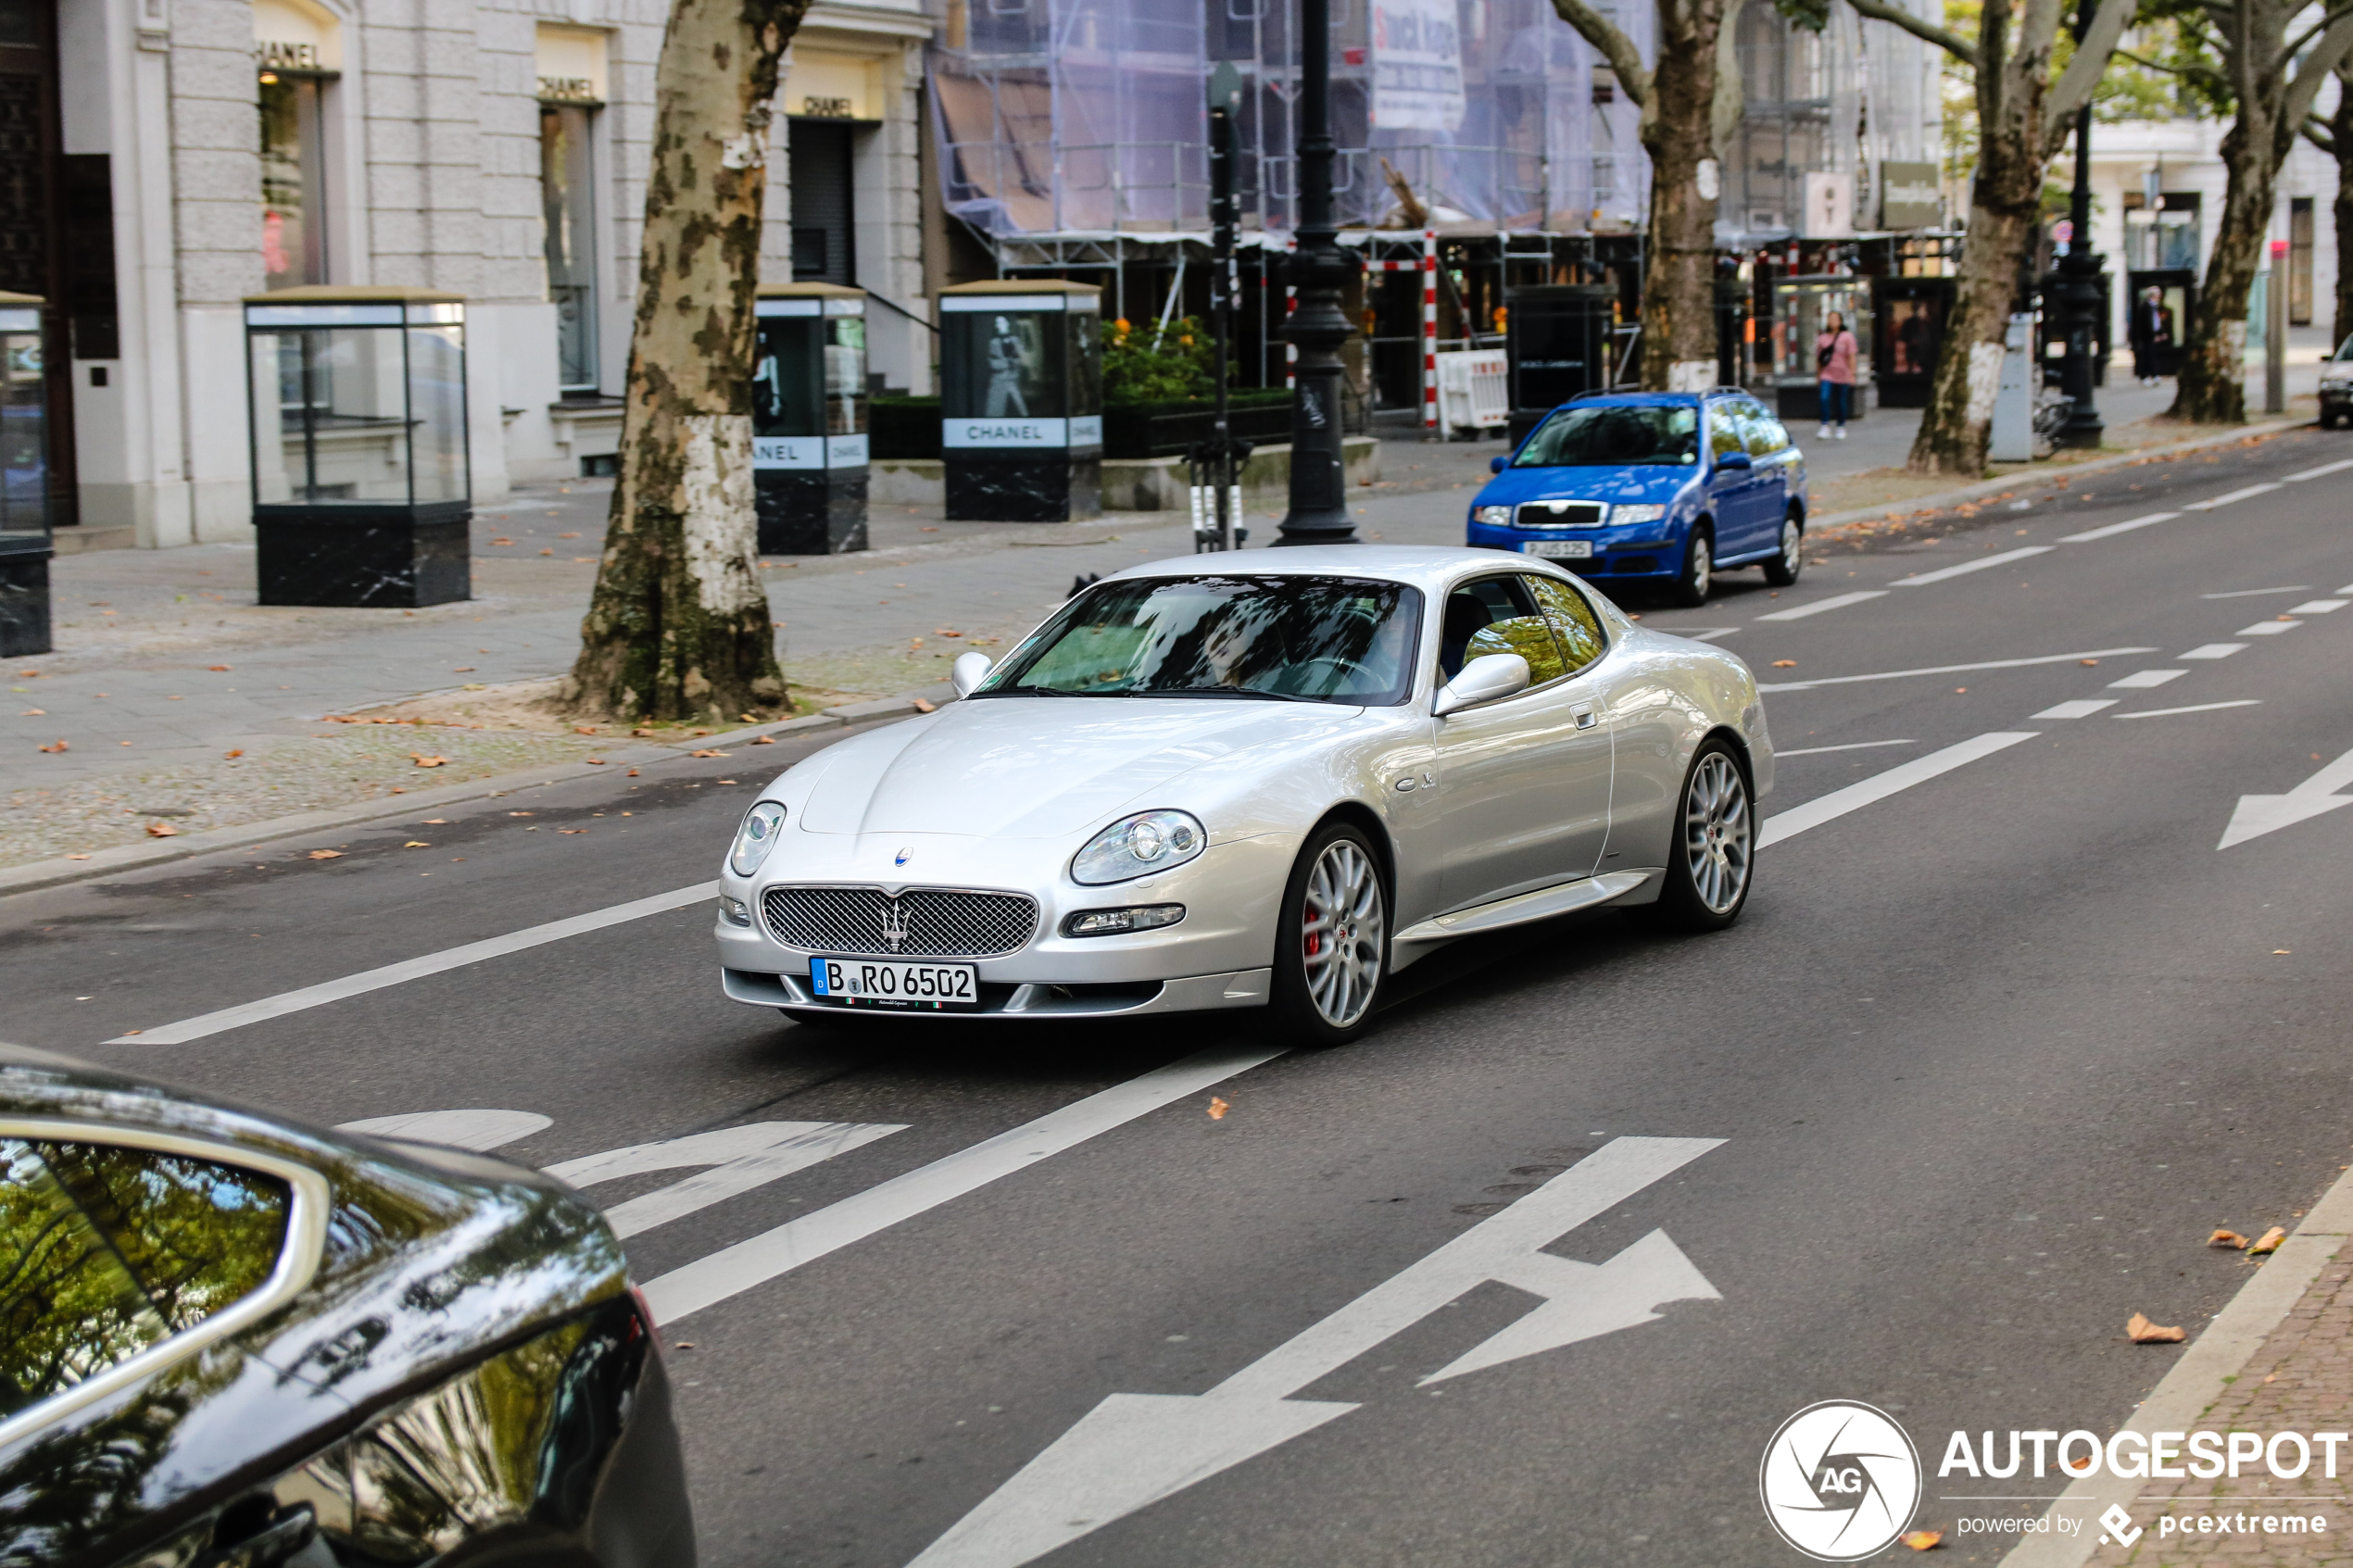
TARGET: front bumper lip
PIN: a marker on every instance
(1237, 988)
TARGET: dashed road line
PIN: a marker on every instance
(2316, 607)
(2223, 500)
(2337, 467)
(2215, 650)
(2267, 629)
(2197, 707)
(1852, 746)
(1951, 668)
(2115, 527)
(2259, 593)
(1923, 579)
(2142, 680)
(2081, 708)
(1839, 601)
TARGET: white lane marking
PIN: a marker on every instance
(476, 1130)
(2193, 707)
(1950, 669)
(2337, 467)
(1133, 1450)
(730, 1160)
(2317, 606)
(2215, 650)
(2091, 533)
(2259, 814)
(2259, 593)
(762, 1257)
(1925, 578)
(1710, 635)
(2213, 501)
(2081, 708)
(1855, 745)
(359, 984)
(1837, 601)
(2347, 589)
(2267, 628)
(2141, 680)
(1879, 786)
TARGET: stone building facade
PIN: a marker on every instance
(213, 149)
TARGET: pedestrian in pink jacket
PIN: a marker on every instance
(1834, 352)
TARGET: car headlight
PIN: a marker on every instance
(735, 911)
(1112, 922)
(1494, 517)
(1139, 845)
(756, 837)
(1648, 511)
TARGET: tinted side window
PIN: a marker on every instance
(1724, 433)
(1764, 432)
(104, 1250)
(1496, 615)
(1573, 620)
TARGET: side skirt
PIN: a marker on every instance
(1521, 909)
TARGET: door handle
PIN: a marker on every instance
(1584, 715)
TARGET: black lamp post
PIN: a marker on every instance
(2079, 282)
(1320, 269)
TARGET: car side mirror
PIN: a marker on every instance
(969, 671)
(1733, 460)
(1485, 679)
(1497, 465)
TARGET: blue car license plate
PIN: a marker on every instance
(1559, 549)
(895, 982)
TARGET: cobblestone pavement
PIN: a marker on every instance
(2301, 1380)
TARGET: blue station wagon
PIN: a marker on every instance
(1661, 489)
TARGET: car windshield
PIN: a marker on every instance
(2344, 349)
(1299, 639)
(1612, 435)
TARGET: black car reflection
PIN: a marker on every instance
(229, 1342)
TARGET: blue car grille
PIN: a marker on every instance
(1559, 514)
(931, 922)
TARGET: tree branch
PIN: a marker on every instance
(1951, 42)
(1724, 117)
(1624, 59)
(2326, 56)
(2207, 73)
(2073, 88)
(2317, 132)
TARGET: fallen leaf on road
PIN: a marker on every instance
(436, 822)
(747, 718)
(424, 762)
(2087, 661)
(77, 856)
(61, 745)
(946, 632)
(584, 729)
(416, 844)
(1217, 1108)
(549, 552)
(922, 705)
(233, 756)
(326, 854)
(2226, 1238)
(34, 713)
(706, 753)
(698, 732)
(162, 830)
(1922, 1540)
(2140, 1331)
(2282, 952)
(461, 670)
(502, 541)
(216, 669)
(567, 536)
(684, 1344)
(632, 774)
(522, 813)
(572, 830)
(726, 780)
(1784, 664)
(641, 732)
(2268, 1242)
(596, 761)
(763, 740)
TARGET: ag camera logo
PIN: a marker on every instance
(1840, 1481)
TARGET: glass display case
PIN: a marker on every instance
(809, 418)
(1909, 314)
(24, 481)
(1801, 308)
(1022, 400)
(361, 493)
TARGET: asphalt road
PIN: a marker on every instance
(1987, 1059)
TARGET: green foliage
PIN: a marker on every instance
(1811, 15)
(1145, 365)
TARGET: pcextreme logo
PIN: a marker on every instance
(1840, 1481)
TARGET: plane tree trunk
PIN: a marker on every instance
(678, 627)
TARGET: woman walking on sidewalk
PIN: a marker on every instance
(1834, 352)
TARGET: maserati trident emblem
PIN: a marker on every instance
(901, 859)
(894, 923)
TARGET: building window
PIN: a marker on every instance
(823, 213)
(294, 205)
(568, 202)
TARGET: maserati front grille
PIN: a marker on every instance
(931, 922)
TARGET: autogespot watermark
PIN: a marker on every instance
(1840, 1481)
(2155, 1456)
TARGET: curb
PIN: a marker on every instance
(2181, 1400)
(2027, 478)
(138, 857)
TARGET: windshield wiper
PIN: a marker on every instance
(1036, 691)
(1222, 691)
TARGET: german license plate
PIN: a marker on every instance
(895, 982)
(1559, 549)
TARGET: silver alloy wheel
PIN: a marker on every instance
(1717, 832)
(1343, 932)
(1793, 545)
(1703, 570)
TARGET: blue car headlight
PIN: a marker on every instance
(1494, 517)
(1647, 511)
(756, 837)
(1139, 845)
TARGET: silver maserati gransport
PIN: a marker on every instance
(1268, 781)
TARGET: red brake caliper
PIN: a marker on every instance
(1314, 938)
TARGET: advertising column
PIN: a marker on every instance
(24, 479)
(809, 418)
(1022, 400)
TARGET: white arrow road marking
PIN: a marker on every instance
(2260, 814)
(1879, 786)
(1921, 580)
(359, 985)
(1135, 1449)
(476, 1130)
(738, 1158)
(762, 1258)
